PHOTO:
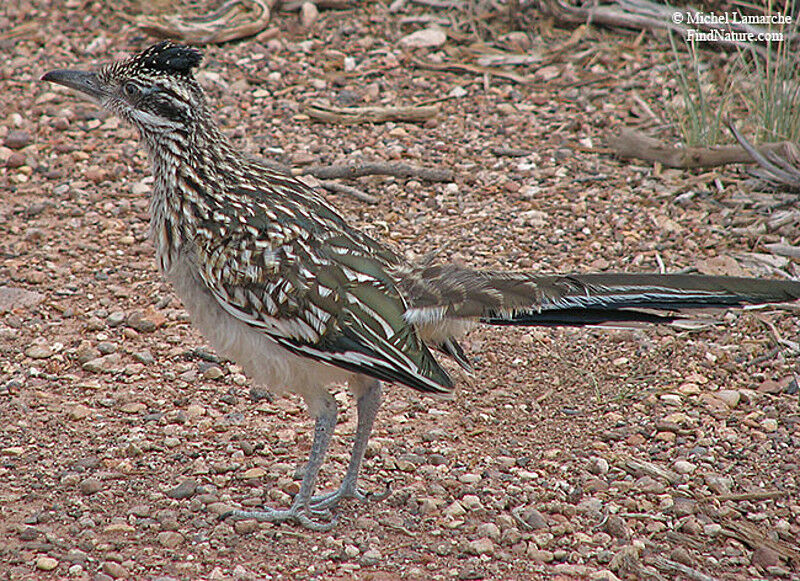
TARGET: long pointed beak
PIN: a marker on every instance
(81, 81)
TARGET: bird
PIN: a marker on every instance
(278, 281)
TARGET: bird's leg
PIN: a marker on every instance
(302, 509)
(369, 400)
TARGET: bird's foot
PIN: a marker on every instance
(346, 490)
(311, 517)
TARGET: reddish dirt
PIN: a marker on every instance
(568, 454)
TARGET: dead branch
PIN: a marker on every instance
(644, 14)
(355, 115)
(338, 188)
(672, 567)
(751, 536)
(234, 19)
(469, 68)
(633, 144)
(398, 170)
(781, 171)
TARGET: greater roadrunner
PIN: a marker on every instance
(280, 283)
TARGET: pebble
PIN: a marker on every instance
(769, 424)
(425, 38)
(115, 570)
(38, 352)
(255, 472)
(534, 519)
(46, 563)
(309, 13)
(489, 530)
(245, 527)
(90, 485)
(371, 557)
(684, 467)
(469, 478)
(765, 557)
(144, 357)
(170, 539)
(731, 397)
(471, 502)
(617, 527)
(598, 466)
(539, 555)
(185, 489)
(482, 546)
(454, 510)
(111, 363)
(17, 139)
(79, 412)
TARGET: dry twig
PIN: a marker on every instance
(469, 68)
(234, 19)
(671, 567)
(354, 115)
(338, 188)
(399, 170)
(780, 167)
(643, 14)
(633, 144)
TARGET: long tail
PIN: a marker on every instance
(446, 293)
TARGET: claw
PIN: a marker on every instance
(332, 499)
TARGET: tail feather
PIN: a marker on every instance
(449, 292)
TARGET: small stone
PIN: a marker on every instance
(534, 519)
(13, 451)
(17, 139)
(455, 510)
(681, 555)
(489, 530)
(115, 570)
(425, 38)
(371, 557)
(256, 472)
(684, 467)
(119, 527)
(598, 466)
(351, 551)
(115, 319)
(471, 502)
(213, 372)
(144, 357)
(769, 424)
(482, 546)
(46, 563)
(79, 412)
(185, 489)
(617, 527)
(731, 397)
(765, 557)
(712, 529)
(603, 575)
(245, 527)
(309, 13)
(539, 555)
(170, 539)
(90, 485)
(136, 320)
(111, 363)
(672, 399)
(132, 407)
(469, 478)
(38, 352)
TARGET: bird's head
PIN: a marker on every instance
(155, 90)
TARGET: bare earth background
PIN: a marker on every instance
(569, 454)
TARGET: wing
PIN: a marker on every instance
(318, 288)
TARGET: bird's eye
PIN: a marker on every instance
(131, 90)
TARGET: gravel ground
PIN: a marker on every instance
(642, 453)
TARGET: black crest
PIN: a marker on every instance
(170, 58)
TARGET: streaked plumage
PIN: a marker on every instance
(279, 282)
